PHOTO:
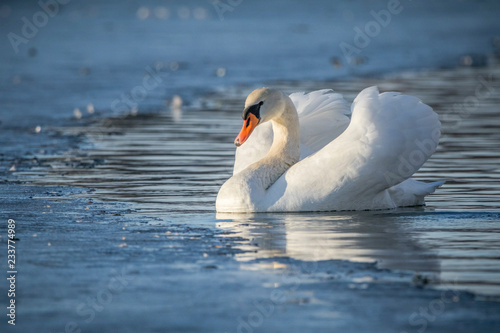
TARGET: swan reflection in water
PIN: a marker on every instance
(388, 238)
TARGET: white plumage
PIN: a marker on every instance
(345, 164)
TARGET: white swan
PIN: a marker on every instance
(305, 154)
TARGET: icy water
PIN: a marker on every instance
(107, 182)
(171, 164)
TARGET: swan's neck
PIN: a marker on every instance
(285, 150)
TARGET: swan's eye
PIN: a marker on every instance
(253, 109)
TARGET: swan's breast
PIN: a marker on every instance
(235, 196)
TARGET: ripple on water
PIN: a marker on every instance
(172, 164)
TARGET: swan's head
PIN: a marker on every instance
(262, 105)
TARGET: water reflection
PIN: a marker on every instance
(355, 236)
(433, 245)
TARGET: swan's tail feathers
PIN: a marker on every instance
(434, 186)
(412, 192)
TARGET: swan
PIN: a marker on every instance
(311, 152)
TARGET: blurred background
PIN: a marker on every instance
(58, 56)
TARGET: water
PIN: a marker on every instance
(171, 164)
(110, 47)
(132, 187)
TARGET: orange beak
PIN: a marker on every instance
(248, 126)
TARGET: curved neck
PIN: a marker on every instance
(285, 150)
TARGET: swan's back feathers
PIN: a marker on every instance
(323, 116)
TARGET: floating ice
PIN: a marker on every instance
(161, 13)
(220, 72)
(143, 13)
(77, 113)
(90, 108)
(176, 102)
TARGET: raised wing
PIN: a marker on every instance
(389, 138)
(323, 116)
